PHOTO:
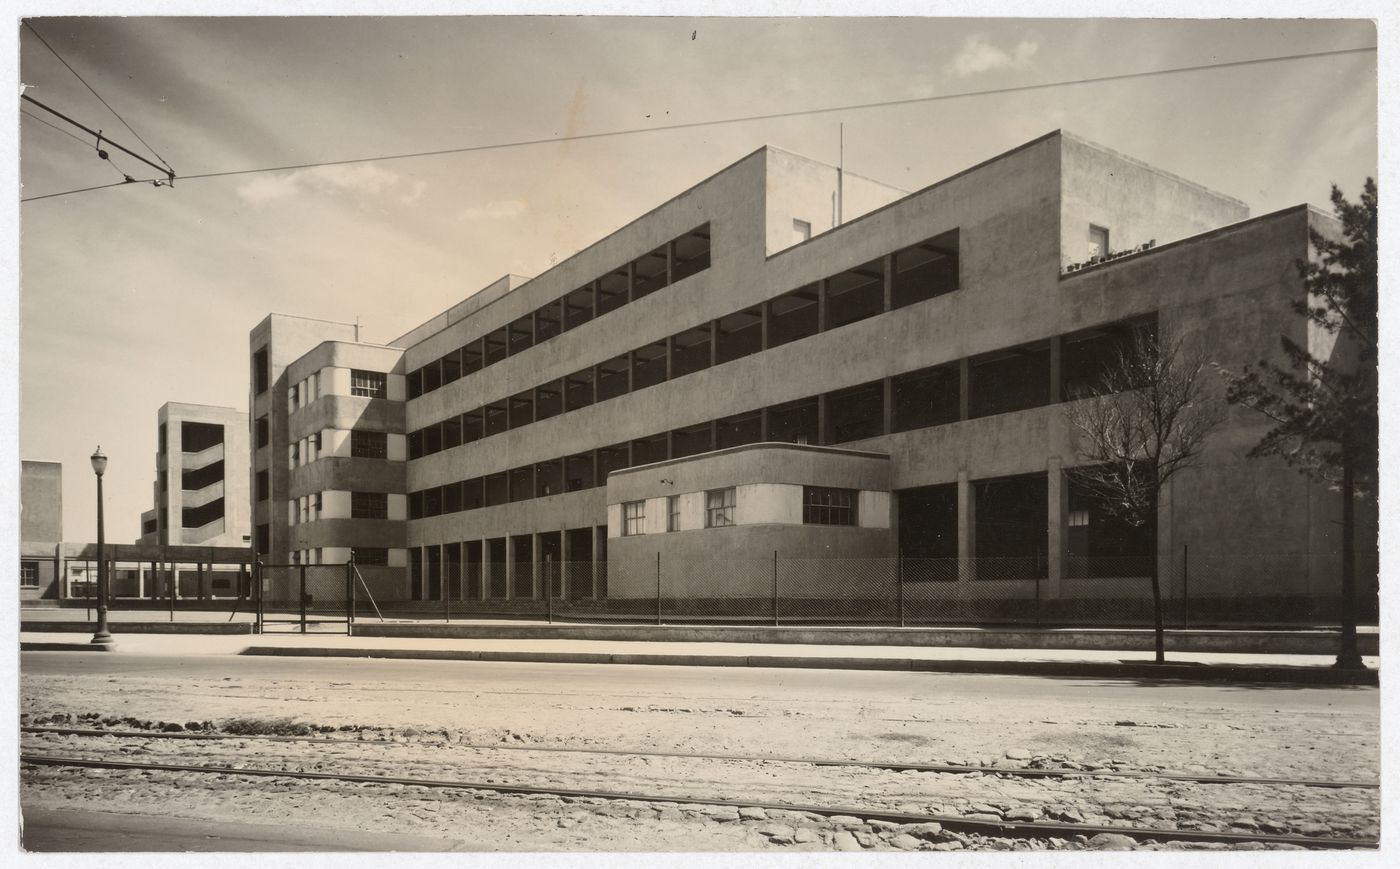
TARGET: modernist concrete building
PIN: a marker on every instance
(200, 491)
(789, 359)
(40, 530)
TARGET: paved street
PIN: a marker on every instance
(449, 720)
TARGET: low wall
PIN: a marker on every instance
(1236, 642)
(119, 628)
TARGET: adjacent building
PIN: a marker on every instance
(200, 491)
(787, 359)
(40, 530)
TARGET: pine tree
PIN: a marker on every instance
(1324, 401)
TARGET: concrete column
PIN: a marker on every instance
(714, 342)
(888, 403)
(822, 434)
(600, 542)
(763, 322)
(566, 553)
(821, 305)
(964, 382)
(536, 577)
(889, 282)
(140, 581)
(714, 434)
(967, 527)
(1056, 349)
(1058, 537)
(510, 567)
(670, 356)
(763, 417)
(484, 591)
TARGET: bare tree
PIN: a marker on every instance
(1142, 422)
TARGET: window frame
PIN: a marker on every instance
(634, 517)
(719, 507)
(375, 383)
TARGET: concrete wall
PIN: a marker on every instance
(804, 189)
(41, 501)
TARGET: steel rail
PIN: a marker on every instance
(1007, 829)
(893, 766)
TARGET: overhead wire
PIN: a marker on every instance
(764, 117)
(127, 179)
(55, 53)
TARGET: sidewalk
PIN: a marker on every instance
(1075, 663)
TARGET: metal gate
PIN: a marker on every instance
(305, 598)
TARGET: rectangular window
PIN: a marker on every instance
(690, 351)
(294, 454)
(649, 365)
(29, 574)
(415, 444)
(370, 555)
(451, 498)
(547, 322)
(673, 513)
(496, 489)
(196, 437)
(691, 440)
(648, 450)
(578, 472)
(415, 383)
(739, 335)
(612, 290)
(740, 429)
(793, 316)
(291, 399)
(471, 357)
(160, 434)
(1012, 526)
(578, 389)
(471, 426)
(794, 422)
(925, 270)
(369, 505)
(1098, 242)
(260, 433)
(856, 294)
(451, 432)
(452, 367)
(612, 378)
(495, 344)
(415, 505)
(495, 417)
(613, 458)
(522, 408)
(1087, 356)
(719, 508)
(634, 517)
(855, 413)
(690, 253)
(1009, 380)
(264, 539)
(260, 372)
(649, 273)
(521, 335)
(578, 307)
(825, 506)
(369, 384)
(549, 478)
(928, 397)
(369, 444)
(432, 439)
(522, 483)
(473, 494)
(262, 487)
(432, 375)
(549, 400)
(432, 501)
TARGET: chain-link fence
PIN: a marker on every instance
(1220, 589)
(304, 597)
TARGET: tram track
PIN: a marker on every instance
(893, 766)
(957, 824)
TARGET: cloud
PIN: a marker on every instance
(364, 179)
(979, 55)
(503, 209)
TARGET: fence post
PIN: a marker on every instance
(549, 589)
(174, 586)
(899, 583)
(258, 589)
(302, 573)
(350, 595)
(775, 588)
(1037, 591)
(658, 588)
(1186, 585)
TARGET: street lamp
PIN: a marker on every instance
(102, 637)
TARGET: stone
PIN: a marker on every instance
(905, 842)
(866, 840)
(1073, 816)
(806, 835)
(946, 846)
(724, 816)
(846, 842)
(753, 813)
(983, 816)
(670, 815)
(846, 820)
(1273, 827)
(1023, 813)
(1313, 828)
(1018, 754)
(882, 825)
(1112, 842)
(928, 831)
(779, 833)
(566, 823)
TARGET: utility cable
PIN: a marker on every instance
(127, 179)
(98, 95)
(765, 117)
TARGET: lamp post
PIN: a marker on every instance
(102, 637)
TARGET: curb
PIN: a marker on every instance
(1068, 669)
(67, 647)
(220, 628)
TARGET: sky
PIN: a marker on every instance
(133, 296)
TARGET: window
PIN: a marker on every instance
(198, 517)
(369, 555)
(673, 513)
(471, 426)
(825, 506)
(612, 378)
(739, 335)
(649, 449)
(494, 349)
(1009, 380)
(262, 487)
(578, 472)
(925, 270)
(740, 429)
(792, 316)
(547, 322)
(1098, 241)
(495, 420)
(196, 437)
(801, 230)
(691, 440)
(649, 364)
(521, 335)
(719, 508)
(521, 408)
(432, 376)
(260, 433)
(201, 478)
(1089, 355)
(369, 384)
(549, 478)
(29, 574)
(369, 444)
(292, 399)
(522, 483)
(161, 435)
(264, 538)
(856, 294)
(315, 505)
(415, 383)
(634, 516)
(578, 307)
(690, 253)
(649, 273)
(578, 389)
(927, 397)
(451, 366)
(549, 400)
(1011, 531)
(452, 498)
(855, 413)
(612, 290)
(690, 351)
(794, 422)
(369, 505)
(260, 372)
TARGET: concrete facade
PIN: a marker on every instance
(946, 331)
(201, 492)
(40, 530)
